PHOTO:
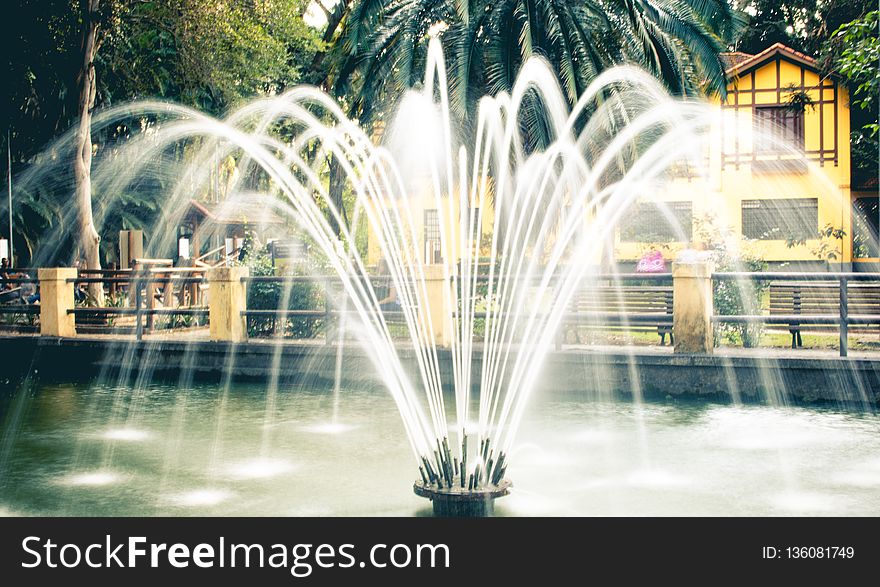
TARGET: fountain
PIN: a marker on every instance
(488, 310)
(455, 492)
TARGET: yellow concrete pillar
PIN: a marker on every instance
(56, 298)
(438, 302)
(692, 307)
(227, 299)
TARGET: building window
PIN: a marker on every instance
(657, 222)
(866, 227)
(778, 127)
(432, 237)
(795, 219)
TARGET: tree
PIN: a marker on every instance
(380, 48)
(82, 159)
(803, 25)
(210, 54)
(853, 53)
(43, 58)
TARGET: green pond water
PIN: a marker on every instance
(74, 449)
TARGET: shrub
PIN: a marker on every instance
(733, 298)
(303, 295)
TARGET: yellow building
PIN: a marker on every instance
(776, 174)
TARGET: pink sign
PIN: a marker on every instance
(651, 262)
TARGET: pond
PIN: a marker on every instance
(162, 449)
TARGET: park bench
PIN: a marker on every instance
(15, 313)
(633, 307)
(10, 296)
(820, 298)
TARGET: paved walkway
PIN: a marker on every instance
(727, 351)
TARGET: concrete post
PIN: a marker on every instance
(692, 306)
(227, 299)
(131, 246)
(439, 304)
(56, 298)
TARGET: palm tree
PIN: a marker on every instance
(380, 46)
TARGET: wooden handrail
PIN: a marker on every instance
(209, 253)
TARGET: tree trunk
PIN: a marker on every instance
(335, 189)
(82, 164)
(319, 73)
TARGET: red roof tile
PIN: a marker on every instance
(768, 53)
(734, 58)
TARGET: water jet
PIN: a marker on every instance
(478, 311)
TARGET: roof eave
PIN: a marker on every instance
(771, 52)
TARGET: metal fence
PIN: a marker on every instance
(842, 318)
(325, 314)
(627, 301)
(140, 292)
(135, 294)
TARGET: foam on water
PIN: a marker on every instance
(806, 502)
(260, 468)
(92, 479)
(126, 435)
(657, 479)
(205, 497)
(329, 428)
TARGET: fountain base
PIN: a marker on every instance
(455, 502)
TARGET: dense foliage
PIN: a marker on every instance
(298, 295)
(803, 25)
(853, 52)
(210, 54)
(213, 54)
(380, 47)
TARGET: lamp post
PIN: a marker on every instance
(9, 186)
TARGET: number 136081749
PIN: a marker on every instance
(808, 552)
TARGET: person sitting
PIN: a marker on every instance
(4, 272)
(9, 292)
(29, 292)
(79, 294)
(389, 303)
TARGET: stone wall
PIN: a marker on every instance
(609, 372)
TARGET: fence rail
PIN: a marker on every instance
(137, 290)
(19, 309)
(835, 304)
(142, 282)
(842, 318)
(794, 276)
